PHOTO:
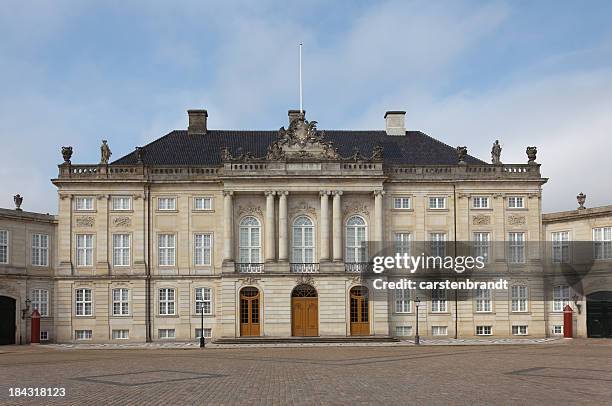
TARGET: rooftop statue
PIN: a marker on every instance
(496, 153)
(105, 153)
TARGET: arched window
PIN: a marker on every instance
(356, 232)
(250, 240)
(303, 241)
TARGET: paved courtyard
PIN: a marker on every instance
(578, 372)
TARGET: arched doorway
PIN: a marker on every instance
(7, 320)
(304, 311)
(359, 311)
(249, 312)
(599, 314)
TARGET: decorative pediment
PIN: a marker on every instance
(249, 210)
(122, 221)
(356, 208)
(85, 221)
(303, 208)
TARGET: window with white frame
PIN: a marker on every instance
(121, 334)
(40, 250)
(166, 333)
(519, 330)
(484, 330)
(439, 330)
(482, 245)
(121, 203)
(519, 298)
(437, 243)
(602, 241)
(83, 302)
(516, 202)
(40, 301)
(356, 235)
(403, 242)
(401, 203)
(437, 202)
(202, 203)
(207, 332)
(121, 249)
(83, 203)
(250, 240)
(167, 302)
(480, 202)
(84, 249)
(561, 297)
(483, 300)
(166, 203)
(303, 241)
(121, 302)
(516, 245)
(403, 303)
(438, 301)
(560, 246)
(4, 247)
(557, 329)
(203, 301)
(83, 334)
(166, 244)
(202, 249)
(44, 336)
(402, 331)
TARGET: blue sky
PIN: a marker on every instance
(526, 73)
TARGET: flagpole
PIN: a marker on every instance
(301, 106)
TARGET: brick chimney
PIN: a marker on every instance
(197, 122)
(395, 123)
(295, 114)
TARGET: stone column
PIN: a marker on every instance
(283, 241)
(324, 250)
(337, 226)
(378, 215)
(228, 228)
(269, 227)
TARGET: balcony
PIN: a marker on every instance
(307, 267)
(357, 267)
(242, 267)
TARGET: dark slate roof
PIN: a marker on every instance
(179, 148)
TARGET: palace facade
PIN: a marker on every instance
(263, 234)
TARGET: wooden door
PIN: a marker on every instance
(7, 320)
(249, 312)
(304, 312)
(359, 311)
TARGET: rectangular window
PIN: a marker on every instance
(403, 243)
(561, 297)
(121, 334)
(84, 249)
(402, 301)
(83, 302)
(437, 244)
(119, 203)
(516, 202)
(557, 329)
(166, 333)
(437, 202)
(483, 300)
(203, 300)
(166, 302)
(121, 302)
(84, 204)
(40, 301)
(480, 202)
(402, 331)
(202, 203)
(121, 249)
(602, 241)
(40, 250)
(483, 330)
(482, 245)
(519, 330)
(82, 334)
(4, 247)
(166, 251)
(166, 203)
(516, 245)
(519, 298)
(439, 330)
(438, 301)
(44, 336)
(401, 203)
(202, 249)
(560, 247)
(207, 332)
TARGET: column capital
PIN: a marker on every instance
(282, 192)
(325, 192)
(379, 192)
(269, 193)
(228, 193)
(337, 192)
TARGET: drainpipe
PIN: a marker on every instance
(455, 249)
(148, 265)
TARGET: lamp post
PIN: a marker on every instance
(25, 311)
(202, 340)
(417, 339)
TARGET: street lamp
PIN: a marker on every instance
(417, 339)
(202, 341)
(25, 311)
